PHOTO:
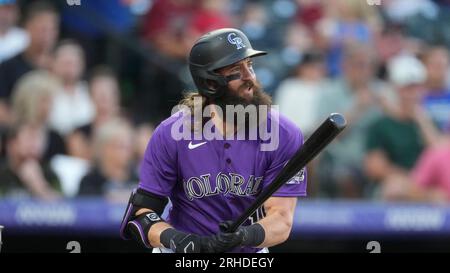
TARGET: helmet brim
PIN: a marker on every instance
(239, 56)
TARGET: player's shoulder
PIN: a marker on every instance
(164, 129)
(168, 122)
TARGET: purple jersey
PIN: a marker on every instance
(209, 182)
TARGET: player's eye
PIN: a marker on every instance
(250, 67)
(235, 70)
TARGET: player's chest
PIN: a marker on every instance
(196, 158)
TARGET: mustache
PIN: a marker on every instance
(231, 98)
(246, 85)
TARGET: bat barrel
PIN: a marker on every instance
(326, 132)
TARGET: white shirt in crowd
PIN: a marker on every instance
(71, 109)
(12, 43)
(298, 100)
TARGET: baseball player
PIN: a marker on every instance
(212, 181)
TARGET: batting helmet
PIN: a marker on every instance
(214, 50)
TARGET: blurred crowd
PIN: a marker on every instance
(83, 86)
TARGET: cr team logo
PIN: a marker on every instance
(299, 177)
(235, 40)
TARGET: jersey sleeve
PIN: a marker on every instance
(291, 140)
(158, 170)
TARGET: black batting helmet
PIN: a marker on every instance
(214, 50)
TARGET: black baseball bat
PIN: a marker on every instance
(321, 137)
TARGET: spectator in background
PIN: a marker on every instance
(431, 174)
(297, 41)
(105, 94)
(165, 26)
(396, 140)
(170, 28)
(298, 96)
(143, 133)
(73, 105)
(24, 174)
(210, 15)
(30, 144)
(255, 22)
(357, 94)
(310, 12)
(390, 42)
(32, 99)
(346, 22)
(13, 40)
(98, 25)
(430, 24)
(437, 93)
(112, 176)
(41, 23)
(399, 11)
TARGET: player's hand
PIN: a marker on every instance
(252, 236)
(218, 243)
(181, 242)
(222, 242)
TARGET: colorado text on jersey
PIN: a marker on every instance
(199, 187)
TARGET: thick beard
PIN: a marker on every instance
(230, 98)
(259, 98)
